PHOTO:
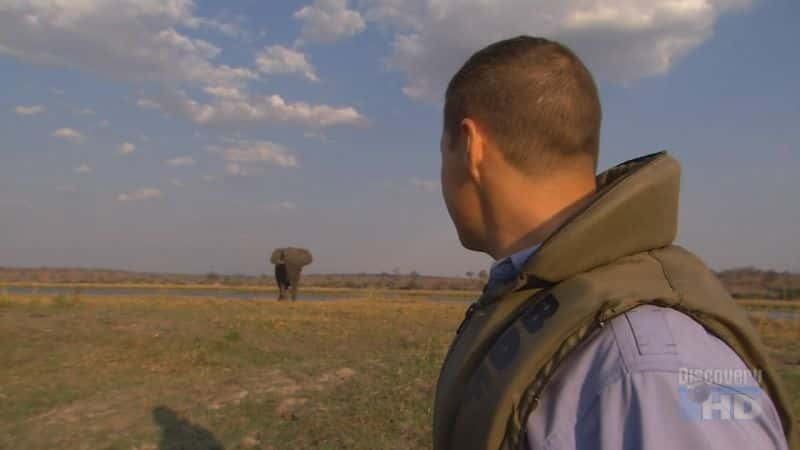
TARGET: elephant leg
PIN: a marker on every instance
(282, 279)
(281, 290)
(294, 280)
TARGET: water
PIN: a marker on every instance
(792, 315)
(227, 294)
(221, 294)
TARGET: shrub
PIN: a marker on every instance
(5, 300)
(232, 336)
(67, 300)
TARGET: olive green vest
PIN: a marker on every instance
(613, 255)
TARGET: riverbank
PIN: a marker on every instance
(310, 292)
(85, 288)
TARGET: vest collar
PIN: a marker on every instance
(635, 209)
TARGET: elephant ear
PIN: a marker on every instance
(276, 256)
(298, 256)
(294, 255)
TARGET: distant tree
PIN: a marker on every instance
(414, 273)
(411, 285)
(770, 276)
(237, 279)
(212, 277)
(470, 274)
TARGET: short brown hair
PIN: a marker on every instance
(533, 96)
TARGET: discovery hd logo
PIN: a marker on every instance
(720, 394)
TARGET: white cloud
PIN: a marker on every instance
(259, 152)
(316, 136)
(84, 112)
(132, 40)
(153, 44)
(620, 40)
(84, 168)
(146, 103)
(329, 21)
(176, 182)
(180, 161)
(234, 107)
(140, 194)
(245, 158)
(224, 92)
(68, 134)
(30, 110)
(210, 178)
(280, 206)
(243, 171)
(227, 28)
(233, 169)
(126, 148)
(402, 14)
(104, 123)
(425, 185)
(278, 59)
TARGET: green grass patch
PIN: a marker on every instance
(70, 300)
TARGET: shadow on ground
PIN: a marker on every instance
(180, 434)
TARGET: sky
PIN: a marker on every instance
(196, 136)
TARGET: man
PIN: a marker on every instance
(593, 332)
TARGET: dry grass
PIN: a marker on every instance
(783, 340)
(142, 373)
(174, 373)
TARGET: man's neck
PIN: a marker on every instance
(530, 223)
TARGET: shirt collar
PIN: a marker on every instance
(518, 259)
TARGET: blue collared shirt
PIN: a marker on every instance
(511, 266)
(651, 379)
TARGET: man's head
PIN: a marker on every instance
(521, 128)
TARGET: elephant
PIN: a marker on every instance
(289, 262)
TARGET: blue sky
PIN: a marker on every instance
(192, 137)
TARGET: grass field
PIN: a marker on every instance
(128, 373)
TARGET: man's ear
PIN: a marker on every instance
(473, 148)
